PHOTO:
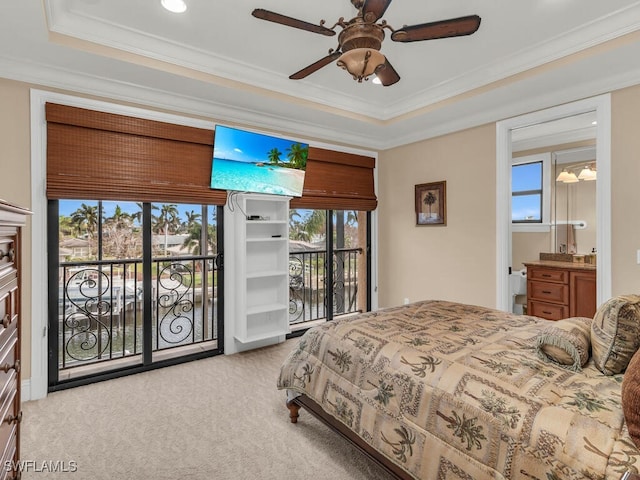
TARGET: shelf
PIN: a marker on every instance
(266, 239)
(266, 308)
(257, 337)
(266, 256)
(262, 276)
(266, 222)
(267, 274)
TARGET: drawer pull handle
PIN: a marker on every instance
(547, 292)
(14, 418)
(7, 366)
(548, 313)
(10, 254)
(6, 321)
(546, 275)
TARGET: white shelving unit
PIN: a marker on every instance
(261, 266)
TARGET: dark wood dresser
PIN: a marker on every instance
(12, 219)
(558, 290)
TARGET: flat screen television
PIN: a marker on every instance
(253, 162)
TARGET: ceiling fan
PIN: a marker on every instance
(360, 39)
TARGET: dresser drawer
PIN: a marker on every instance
(9, 363)
(9, 456)
(548, 292)
(8, 309)
(10, 414)
(548, 275)
(549, 311)
(12, 220)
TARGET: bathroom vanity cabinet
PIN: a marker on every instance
(558, 290)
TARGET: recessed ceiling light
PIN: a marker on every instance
(595, 122)
(175, 6)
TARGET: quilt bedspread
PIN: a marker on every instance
(454, 391)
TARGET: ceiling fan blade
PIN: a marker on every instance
(263, 14)
(306, 71)
(454, 27)
(372, 10)
(387, 74)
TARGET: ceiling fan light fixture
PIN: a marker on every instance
(175, 6)
(361, 63)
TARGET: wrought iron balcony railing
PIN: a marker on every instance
(308, 284)
(100, 303)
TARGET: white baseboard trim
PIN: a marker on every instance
(25, 390)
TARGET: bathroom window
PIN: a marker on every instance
(530, 189)
(526, 204)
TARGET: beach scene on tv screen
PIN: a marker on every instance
(252, 162)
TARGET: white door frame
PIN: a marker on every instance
(602, 107)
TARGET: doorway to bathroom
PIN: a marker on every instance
(553, 199)
(553, 134)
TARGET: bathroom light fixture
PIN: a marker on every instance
(175, 6)
(564, 176)
(587, 174)
(572, 178)
(567, 177)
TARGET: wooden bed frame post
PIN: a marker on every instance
(294, 408)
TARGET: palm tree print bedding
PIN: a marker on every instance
(452, 391)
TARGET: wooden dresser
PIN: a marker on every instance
(12, 219)
(558, 290)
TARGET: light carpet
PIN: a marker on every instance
(217, 418)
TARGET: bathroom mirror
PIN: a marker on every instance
(574, 201)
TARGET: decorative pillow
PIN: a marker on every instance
(615, 333)
(566, 342)
(631, 398)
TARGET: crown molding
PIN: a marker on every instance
(96, 30)
(497, 110)
(101, 87)
(422, 128)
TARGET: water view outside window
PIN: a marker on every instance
(526, 188)
(102, 288)
(319, 289)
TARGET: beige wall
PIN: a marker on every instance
(453, 262)
(15, 184)
(526, 246)
(625, 191)
(425, 262)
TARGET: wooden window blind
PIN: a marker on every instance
(98, 155)
(337, 181)
(105, 156)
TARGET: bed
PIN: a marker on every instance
(443, 390)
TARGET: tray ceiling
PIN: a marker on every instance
(217, 61)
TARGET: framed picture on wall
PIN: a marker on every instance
(431, 203)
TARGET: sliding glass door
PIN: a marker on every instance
(133, 286)
(329, 265)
